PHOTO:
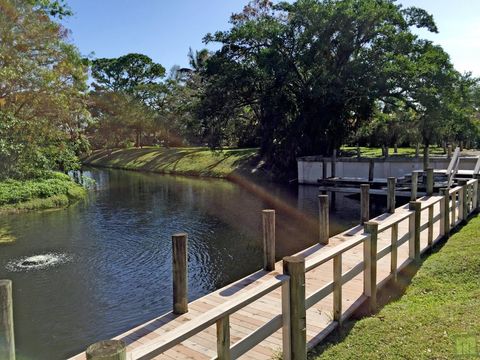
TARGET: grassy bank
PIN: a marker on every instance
(52, 191)
(437, 318)
(373, 152)
(182, 161)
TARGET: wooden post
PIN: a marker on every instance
(430, 225)
(391, 181)
(294, 266)
(337, 288)
(107, 350)
(414, 189)
(180, 271)
(370, 261)
(394, 253)
(286, 323)
(324, 169)
(358, 152)
(414, 228)
(371, 168)
(454, 209)
(334, 164)
(7, 340)
(476, 195)
(223, 338)
(268, 217)
(364, 203)
(445, 213)
(323, 221)
(463, 201)
(429, 181)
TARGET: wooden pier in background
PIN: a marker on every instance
(292, 308)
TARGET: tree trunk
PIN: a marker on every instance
(426, 156)
(395, 148)
(417, 150)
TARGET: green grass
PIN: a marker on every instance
(52, 191)
(369, 152)
(197, 161)
(438, 314)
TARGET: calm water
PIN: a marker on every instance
(114, 251)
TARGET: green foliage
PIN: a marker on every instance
(434, 314)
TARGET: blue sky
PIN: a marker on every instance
(165, 29)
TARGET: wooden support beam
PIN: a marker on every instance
(364, 203)
(294, 266)
(414, 228)
(268, 220)
(7, 341)
(337, 288)
(394, 253)
(323, 220)
(429, 181)
(391, 182)
(180, 273)
(223, 338)
(370, 261)
(107, 350)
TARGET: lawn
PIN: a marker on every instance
(197, 161)
(373, 152)
(437, 318)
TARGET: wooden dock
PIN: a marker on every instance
(253, 317)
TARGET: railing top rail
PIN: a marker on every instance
(471, 181)
(392, 219)
(454, 190)
(196, 325)
(322, 258)
(431, 200)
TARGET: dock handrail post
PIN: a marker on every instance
(180, 273)
(107, 350)
(371, 168)
(394, 253)
(323, 220)
(268, 219)
(414, 230)
(445, 213)
(414, 186)
(429, 181)
(337, 288)
(463, 201)
(476, 197)
(294, 267)
(7, 339)
(364, 203)
(391, 181)
(370, 261)
(223, 338)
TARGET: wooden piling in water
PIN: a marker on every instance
(364, 203)
(180, 273)
(391, 182)
(370, 269)
(7, 338)
(414, 186)
(294, 266)
(107, 350)
(268, 219)
(323, 220)
(429, 181)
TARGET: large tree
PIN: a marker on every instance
(313, 71)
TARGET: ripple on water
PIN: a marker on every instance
(37, 262)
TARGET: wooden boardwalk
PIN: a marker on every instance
(266, 311)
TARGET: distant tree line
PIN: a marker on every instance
(292, 79)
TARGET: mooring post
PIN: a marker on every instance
(463, 201)
(323, 220)
(445, 213)
(371, 168)
(414, 185)
(268, 217)
(370, 260)
(429, 181)
(180, 273)
(107, 350)
(364, 203)
(7, 341)
(414, 229)
(391, 182)
(294, 266)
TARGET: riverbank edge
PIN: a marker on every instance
(72, 195)
(432, 319)
(202, 162)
